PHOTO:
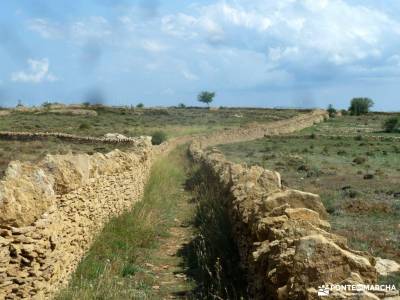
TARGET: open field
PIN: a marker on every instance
(370, 124)
(130, 122)
(135, 122)
(357, 179)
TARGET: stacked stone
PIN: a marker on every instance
(287, 250)
(26, 136)
(38, 253)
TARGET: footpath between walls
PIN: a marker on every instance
(50, 212)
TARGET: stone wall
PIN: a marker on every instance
(50, 213)
(27, 136)
(287, 250)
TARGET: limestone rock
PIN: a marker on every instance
(386, 266)
(25, 192)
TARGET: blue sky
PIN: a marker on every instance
(251, 53)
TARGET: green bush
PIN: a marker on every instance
(360, 106)
(140, 105)
(84, 126)
(331, 111)
(392, 124)
(158, 137)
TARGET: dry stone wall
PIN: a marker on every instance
(51, 212)
(27, 136)
(283, 237)
(251, 132)
(286, 248)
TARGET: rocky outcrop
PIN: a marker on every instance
(287, 250)
(60, 205)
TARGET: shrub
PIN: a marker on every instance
(84, 126)
(359, 160)
(392, 124)
(140, 105)
(158, 137)
(360, 106)
(331, 111)
(181, 105)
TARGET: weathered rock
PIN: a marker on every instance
(386, 266)
(296, 199)
(25, 192)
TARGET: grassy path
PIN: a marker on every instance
(137, 254)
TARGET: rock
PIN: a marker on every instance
(296, 199)
(115, 136)
(386, 266)
(25, 193)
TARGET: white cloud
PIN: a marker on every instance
(45, 28)
(38, 72)
(154, 46)
(93, 27)
(189, 75)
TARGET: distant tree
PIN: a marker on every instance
(360, 106)
(46, 104)
(19, 103)
(392, 124)
(331, 111)
(86, 104)
(206, 97)
(181, 105)
(140, 105)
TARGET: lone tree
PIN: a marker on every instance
(206, 97)
(360, 106)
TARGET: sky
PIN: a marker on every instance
(275, 53)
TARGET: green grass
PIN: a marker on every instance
(114, 267)
(366, 211)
